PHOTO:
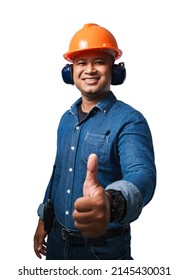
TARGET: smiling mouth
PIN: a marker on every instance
(91, 80)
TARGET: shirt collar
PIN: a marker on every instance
(104, 105)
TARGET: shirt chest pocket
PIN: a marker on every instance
(95, 144)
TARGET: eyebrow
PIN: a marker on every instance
(94, 58)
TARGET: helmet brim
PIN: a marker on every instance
(115, 53)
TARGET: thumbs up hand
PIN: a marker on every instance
(92, 211)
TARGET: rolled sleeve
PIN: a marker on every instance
(40, 211)
(133, 197)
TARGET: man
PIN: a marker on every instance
(104, 168)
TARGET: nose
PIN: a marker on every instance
(90, 68)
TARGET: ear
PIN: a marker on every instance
(67, 74)
(118, 74)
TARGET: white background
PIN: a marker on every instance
(33, 37)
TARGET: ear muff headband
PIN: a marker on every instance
(118, 74)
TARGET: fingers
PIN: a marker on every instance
(83, 204)
(40, 247)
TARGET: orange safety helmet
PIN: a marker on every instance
(93, 37)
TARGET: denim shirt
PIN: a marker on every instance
(120, 136)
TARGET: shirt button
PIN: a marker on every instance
(70, 169)
(68, 191)
(72, 148)
(77, 127)
(67, 212)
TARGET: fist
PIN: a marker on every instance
(92, 211)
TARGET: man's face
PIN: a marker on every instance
(92, 73)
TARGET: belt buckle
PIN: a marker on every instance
(66, 234)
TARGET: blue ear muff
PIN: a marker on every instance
(67, 74)
(118, 74)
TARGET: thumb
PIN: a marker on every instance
(91, 183)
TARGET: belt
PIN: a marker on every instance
(75, 237)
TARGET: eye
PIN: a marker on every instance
(81, 62)
(99, 62)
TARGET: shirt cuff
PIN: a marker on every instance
(40, 211)
(133, 197)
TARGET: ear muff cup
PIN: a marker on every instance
(67, 74)
(118, 74)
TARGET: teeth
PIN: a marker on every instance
(91, 79)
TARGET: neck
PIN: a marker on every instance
(89, 103)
